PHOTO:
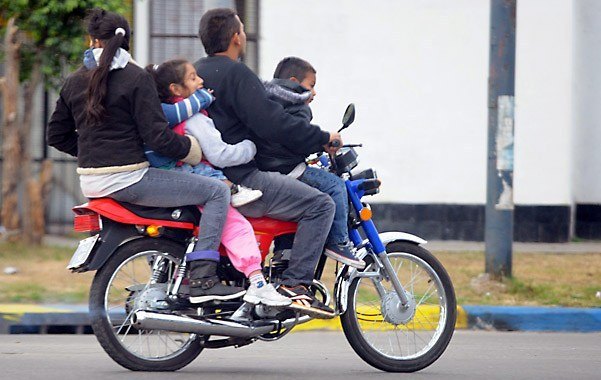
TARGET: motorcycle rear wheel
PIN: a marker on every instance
(123, 286)
(401, 341)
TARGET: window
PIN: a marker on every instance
(174, 28)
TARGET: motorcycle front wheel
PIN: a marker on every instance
(135, 278)
(385, 334)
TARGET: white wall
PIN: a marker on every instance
(587, 99)
(417, 71)
(543, 117)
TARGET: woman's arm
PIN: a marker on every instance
(185, 109)
(214, 149)
(61, 133)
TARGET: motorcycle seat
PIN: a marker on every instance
(188, 214)
(111, 207)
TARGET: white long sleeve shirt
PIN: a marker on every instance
(214, 149)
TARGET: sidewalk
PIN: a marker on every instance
(478, 246)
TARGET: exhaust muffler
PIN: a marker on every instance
(155, 321)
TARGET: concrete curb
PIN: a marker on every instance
(44, 319)
(73, 319)
(522, 318)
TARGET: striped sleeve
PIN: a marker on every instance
(183, 110)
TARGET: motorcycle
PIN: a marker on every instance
(398, 313)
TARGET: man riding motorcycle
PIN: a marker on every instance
(243, 110)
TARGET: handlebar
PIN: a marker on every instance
(336, 144)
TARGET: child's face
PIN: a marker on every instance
(309, 83)
(191, 83)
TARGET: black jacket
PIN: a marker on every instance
(272, 156)
(134, 117)
(243, 110)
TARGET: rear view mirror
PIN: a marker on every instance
(349, 116)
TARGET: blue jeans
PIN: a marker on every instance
(334, 186)
(286, 198)
(201, 169)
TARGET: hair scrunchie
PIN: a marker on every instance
(120, 31)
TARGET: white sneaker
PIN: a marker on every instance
(267, 295)
(243, 195)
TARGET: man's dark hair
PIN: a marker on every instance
(217, 27)
(293, 67)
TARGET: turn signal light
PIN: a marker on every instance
(153, 231)
(365, 214)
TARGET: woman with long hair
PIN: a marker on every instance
(107, 110)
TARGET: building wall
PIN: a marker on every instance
(418, 73)
(587, 118)
(543, 121)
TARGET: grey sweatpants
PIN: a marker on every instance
(168, 188)
(288, 199)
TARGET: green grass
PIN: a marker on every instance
(21, 293)
(18, 251)
(538, 279)
(42, 275)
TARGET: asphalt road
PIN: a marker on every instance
(316, 355)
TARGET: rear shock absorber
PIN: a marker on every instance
(181, 271)
(159, 270)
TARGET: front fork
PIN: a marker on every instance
(382, 269)
(381, 258)
(383, 266)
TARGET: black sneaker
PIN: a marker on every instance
(211, 289)
(344, 254)
(205, 285)
(304, 301)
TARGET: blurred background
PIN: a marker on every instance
(417, 72)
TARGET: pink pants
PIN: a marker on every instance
(240, 243)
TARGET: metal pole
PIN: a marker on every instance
(498, 234)
(142, 31)
(46, 111)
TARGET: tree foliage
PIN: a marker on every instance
(53, 33)
(43, 39)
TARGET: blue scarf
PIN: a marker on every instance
(92, 56)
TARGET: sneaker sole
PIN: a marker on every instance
(245, 202)
(345, 260)
(201, 299)
(257, 300)
(312, 312)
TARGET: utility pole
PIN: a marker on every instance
(498, 234)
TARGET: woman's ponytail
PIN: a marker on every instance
(114, 31)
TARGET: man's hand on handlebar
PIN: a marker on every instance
(334, 144)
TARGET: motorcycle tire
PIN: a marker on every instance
(113, 341)
(369, 318)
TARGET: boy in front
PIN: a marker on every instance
(293, 87)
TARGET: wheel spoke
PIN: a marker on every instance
(137, 271)
(376, 308)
